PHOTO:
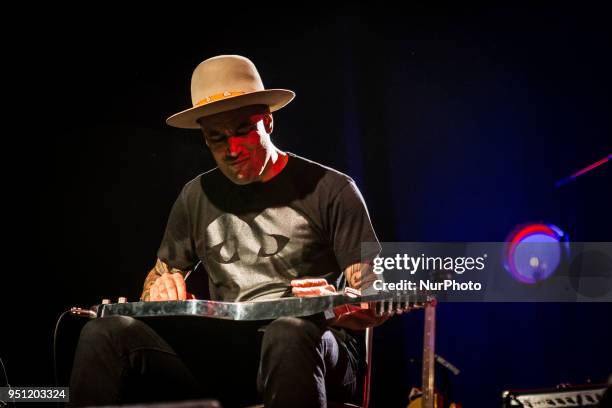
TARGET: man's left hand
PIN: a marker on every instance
(360, 319)
(355, 320)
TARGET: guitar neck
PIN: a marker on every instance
(260, 310)
(429, 341)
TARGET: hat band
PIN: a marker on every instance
(217, 97)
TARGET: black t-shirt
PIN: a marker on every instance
(307, 221)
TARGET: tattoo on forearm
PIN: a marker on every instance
(161, 267)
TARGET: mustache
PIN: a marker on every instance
(235, 159)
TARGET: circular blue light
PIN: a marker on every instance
(534, 251)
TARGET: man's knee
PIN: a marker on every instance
(115, 329)
(291, 331)
(106, 326)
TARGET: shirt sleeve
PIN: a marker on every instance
(350, 226)
(177, 249)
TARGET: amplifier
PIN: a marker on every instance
(568, 396)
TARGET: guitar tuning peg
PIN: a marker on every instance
(122, 299)
(379, 308)
(106, 301)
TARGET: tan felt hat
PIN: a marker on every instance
(223, 83)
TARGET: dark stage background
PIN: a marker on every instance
(455, 123)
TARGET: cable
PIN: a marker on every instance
(77, 311)
(59, 319)
(7, 381)
(4, 371)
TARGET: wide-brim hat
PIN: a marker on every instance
(224, 83)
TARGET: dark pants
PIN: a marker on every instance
(292, 362)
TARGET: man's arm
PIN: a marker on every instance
(164, 283)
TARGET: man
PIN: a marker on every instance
(265, 224)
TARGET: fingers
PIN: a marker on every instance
(313, 291)
(169, 286)
(181, 288)
(311, 287)
(308, 283)
(154, 293)
(361, 319)
(160, 291)
(163, 291)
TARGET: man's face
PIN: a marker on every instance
(239, 141)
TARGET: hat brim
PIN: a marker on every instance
(274, 98)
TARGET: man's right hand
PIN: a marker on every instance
(169, 286)
(165, 283)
